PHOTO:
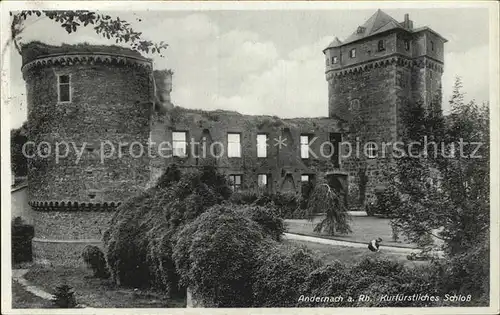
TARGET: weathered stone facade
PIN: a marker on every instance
(79, 98)
(282, 164)
(110, 101)
(372, 77)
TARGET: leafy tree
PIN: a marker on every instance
(267, 219)
(448, 192)
(72, 21)
(19, 162)
(324, 199)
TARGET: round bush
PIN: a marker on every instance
(216, 257)
(95, 259)
(281, 271)
(267, 219)
(333, 279)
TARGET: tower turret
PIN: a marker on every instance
(89, 110)
(373, 75)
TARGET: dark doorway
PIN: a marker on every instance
(336, 139)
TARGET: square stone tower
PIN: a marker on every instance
(373, 76)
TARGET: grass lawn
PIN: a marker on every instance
(24, 299)
(364, 229)
(350, 255)
(96, 293)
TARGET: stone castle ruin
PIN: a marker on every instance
(87, 95)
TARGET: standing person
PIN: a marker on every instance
(374, 245)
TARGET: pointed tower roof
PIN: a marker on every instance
(335, 43)
(379, 22)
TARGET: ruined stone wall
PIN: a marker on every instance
(281, 164)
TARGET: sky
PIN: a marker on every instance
(267, 62)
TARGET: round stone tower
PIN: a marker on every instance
(89, 110)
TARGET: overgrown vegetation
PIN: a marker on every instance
(188, 231)
(21, 236)
(281, 270)
(215, 256)
(288, 205)
(229, 261)
(140, 239)
(94, 258)
(444, 189)
(446, 195)
(386, 202)
(326, 200)
(64, 297)
(73, 20)
(19, 162)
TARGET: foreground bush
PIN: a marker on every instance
(333, 279)
(469, 273)
(376, 278)
(267, 219)
(387, 202)
(216, 257)
(94, 258)
(142, 232)
(288, 205)
(282, 269)
(21, 237)
(64, 297)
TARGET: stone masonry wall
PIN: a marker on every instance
(366, 100)
(281, 164)
(109, 103)
(71, 225)
(61, 236)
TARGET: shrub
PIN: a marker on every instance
(216, 257)
(370, 209)
(244, 197)
(327, 200)
(468, 273)
(21, 236)
(267, 219)
(333, 279)
(281, 271)
(387, 201)
(373, 278)
(143, 231)
(64, 297)
(288, 205)
(95, 259)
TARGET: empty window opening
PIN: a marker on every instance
(233, 145)
(64, 88)
(235, 182)
(179, 143)
(261, 145)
